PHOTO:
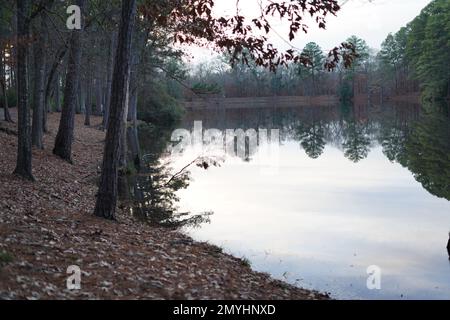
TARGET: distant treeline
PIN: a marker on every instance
(413, 60)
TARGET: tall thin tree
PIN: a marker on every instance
(110, 69)
(6, 112)
(107, 194)
(64, 137)
(24, 162)
(37, 131)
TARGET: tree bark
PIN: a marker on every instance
(23, 165)
(110, 67)
(57, 93)
(134, 153)
(53, 73)
(82, 94)
(14, 53)
(88, 110)
(79, 99)
(107, 194)
(64, 137)
(6, 113)
(37, 132)
(46, 102)
(98, 92)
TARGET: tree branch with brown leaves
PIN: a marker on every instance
(193, 22)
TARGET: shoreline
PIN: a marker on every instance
(48, 225)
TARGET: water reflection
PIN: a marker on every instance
(357, 186)
(426, 152)
(152, 190)
(311, 136)
(417, 138)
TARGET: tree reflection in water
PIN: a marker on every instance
(417, 137)
(152, 191)
(427, 150)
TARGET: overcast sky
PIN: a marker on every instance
(371, 20)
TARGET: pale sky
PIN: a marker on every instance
(371, 20)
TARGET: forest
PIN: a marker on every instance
(78, 80)
(51, 68)
(411, 61)
(91, 91)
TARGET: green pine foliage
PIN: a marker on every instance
(423, 48)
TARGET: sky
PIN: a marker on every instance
(371, 20)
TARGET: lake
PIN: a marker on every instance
(333, 193)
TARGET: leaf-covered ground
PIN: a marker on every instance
(48, 225)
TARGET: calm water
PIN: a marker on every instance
(344, 188)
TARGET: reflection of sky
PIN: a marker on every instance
(326, 220)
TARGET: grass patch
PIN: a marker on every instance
(215, 249)
(5, 258)
(246, 262)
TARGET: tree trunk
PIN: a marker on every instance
(110, 70)
(82, 97)
(134, 154)
(107, 194)
(88, 110)
(130, 114)
(64, 138)
(57, 93)
(46, 102)
(53, 73)
(23, 165)
(6, 113)
(98, 93)
(37, 131)
(78, 102)
(14, 70)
